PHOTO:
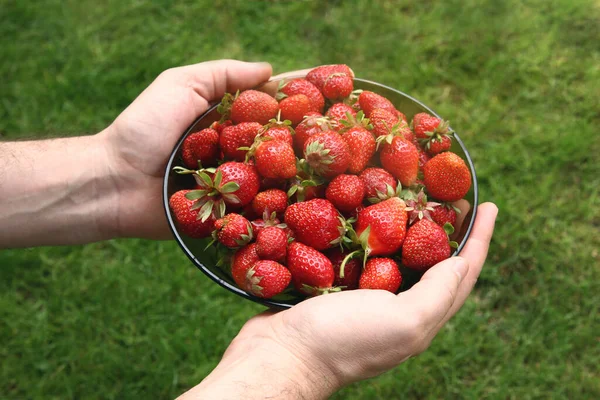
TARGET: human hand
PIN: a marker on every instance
(340, 338)
(139, 141)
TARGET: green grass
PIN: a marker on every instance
(518, 80)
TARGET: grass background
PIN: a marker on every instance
(520, 82)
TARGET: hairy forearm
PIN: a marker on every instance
(54, 192)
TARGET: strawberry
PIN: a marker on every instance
(377, 180)
(271, 243)
(383, 121)
(220, 125)
(361, 144)
(339, 112)
(270, 201)
(275, 159)
(242, 261)
(187, 216)
(423, 158)
(312, 272)
(418, 207)
(201, 148)
(266, 221)
(401, 159)
(236, 136)
(278, 130)
(424, 124)
(346, 192)
(315, 223)
(352, 269)
(426, 244)
(447, 177)
(432, 132)
(444, 214)
(338, 86)
(327, 153)
(233, 230)
(295, 107)
(438, 145)
(317, 76)
(249, 106)
(369, 101)
(311, 124)
(266, 279)
(302, 86)
(386, 224)
(381, 273)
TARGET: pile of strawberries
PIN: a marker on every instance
(322, 186)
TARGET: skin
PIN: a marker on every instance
(86, 189)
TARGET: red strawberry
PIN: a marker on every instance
(241, 262)
(233, 230)
(327, 153)
(220, 125)
(315, 223)
(432, 132)
(346, 192)
(266, 221)
(339, 112)
(381, 273)
(302, 86)
(423, 158)
(299, 191)
(295, 107)
(387, 226)
(438, 145)
(338, 86)
(201, 147)
(271, 243)
(426, 244)
(317, 76)
(236, 136)
(246, 178)
(443, 214)
(311, 124)
(361, 144)
(418, 207)
(447, 177)
(352, 269)
(401, 159)
(187, 217)
(312, 272)
(369, 101)
(275, 159)
(266, 279)
(278, 130)
(253, 106)
(383, 121)
(376, 180)
(423, 123)
(270, 201)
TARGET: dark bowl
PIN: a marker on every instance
(206, 261)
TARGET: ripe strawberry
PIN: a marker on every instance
(432, 132)
(361, 144)
(266, 279)
(220, 125)
(295, 107)
(241, 262)
(423, 158)
(346, 192)
(387, 226)
(447, 177)
(369, 101)
(270, 201)
(317, 76)
(201, 147)
(312, 272)
(315, 223)
(278, 130)
(271, 243)
(381, 273)
(187, 217)
(443, 214)
(376, 180)
(339, 112)
(266, 221)
(418, 207)
(327, 153)
(352, 269)
(438, 145)
(251, 106)
(426, 244)
(246, 178)
(383, 121)
(311, 124)
(233, 230)
(302, 86)
(401, 159)
(338, 86)
(423, 123)
(236, 136)
(274, 159)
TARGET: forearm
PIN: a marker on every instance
(58, 191)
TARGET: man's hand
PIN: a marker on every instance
(330, 341)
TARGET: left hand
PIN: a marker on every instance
(140, 140)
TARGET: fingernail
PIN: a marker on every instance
(460, 267)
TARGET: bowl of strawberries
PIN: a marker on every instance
(316, 183)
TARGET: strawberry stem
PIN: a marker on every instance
(346, 259)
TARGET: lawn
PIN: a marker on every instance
(519, 81)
